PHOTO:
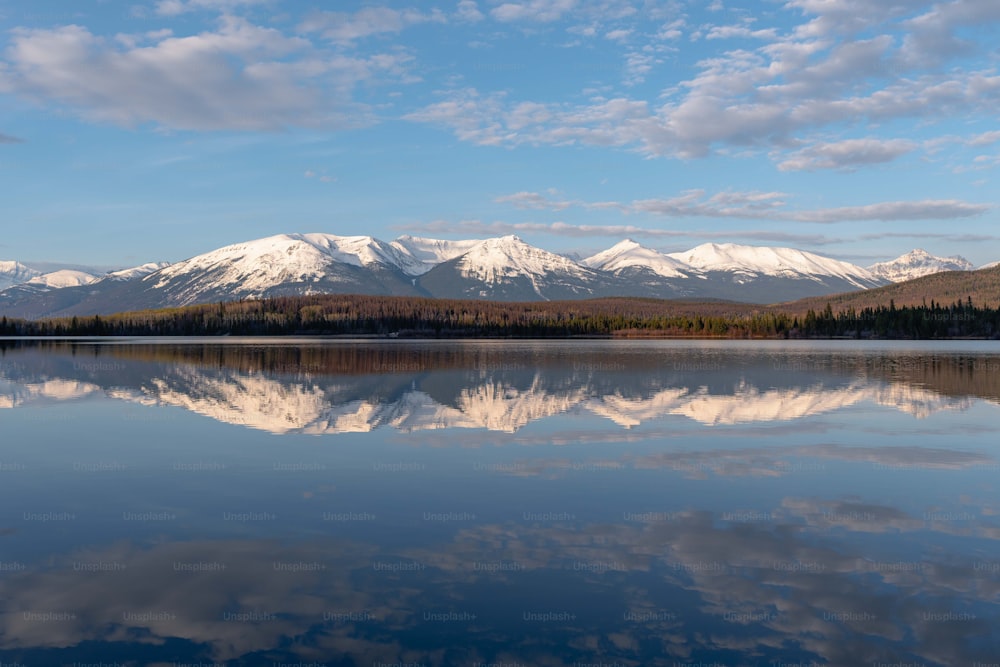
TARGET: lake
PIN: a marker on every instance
(373, 503)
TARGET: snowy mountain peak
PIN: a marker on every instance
(504, 259)
(629, 254)
(63, 278)
(140, 271)
(768, 261)
(15, 273)
(917, 263)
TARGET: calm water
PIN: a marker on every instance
(559, 503)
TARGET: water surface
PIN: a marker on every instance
(266, 502)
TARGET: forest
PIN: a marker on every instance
(408, 317)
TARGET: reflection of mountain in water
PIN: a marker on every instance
(342, 388)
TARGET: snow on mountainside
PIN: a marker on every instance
(14, 273)
(990, 265)
(134, 272)
(428, 253)
(508, 269)
(629, 254)
(917, 263)
(290, 263)
(265, 262)
(778, 262)
(63, 278)
(493, 260)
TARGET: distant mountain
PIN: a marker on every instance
(504, 268)
(62, 278)
(33, 290)
(14, 273)
(917, 263)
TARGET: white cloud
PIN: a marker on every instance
(843, 71)
(469, 114)
(985, 138)
(637, 66)
(927, 209)
(238, 77)
(955, 238)
(175, 7)
(846, 155)
(533, 200)
(533, 11)
(935, 36)
(740, 31)
(347, 27)
(754, 205)
(849, 17)
(468, 10)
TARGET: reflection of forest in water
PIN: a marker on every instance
(949, 373)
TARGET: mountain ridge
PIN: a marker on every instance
(917, 263)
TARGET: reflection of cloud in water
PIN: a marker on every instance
(200, 591)
(14, 395)
(685, 584)
(758, 461)
(838, 605)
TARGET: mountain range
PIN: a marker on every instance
(502, 268)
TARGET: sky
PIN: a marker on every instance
(156, 130)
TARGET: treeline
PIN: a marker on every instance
(406, 317)
(933, 320)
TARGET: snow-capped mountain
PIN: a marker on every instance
(14, 273)
(749, 262)
(508, 269)
(917, 263)
(630, 255)
(990, 265)
(63, 278)
(285, 264)
(731, 271)
(37, 288)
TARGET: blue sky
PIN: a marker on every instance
(133, 132)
